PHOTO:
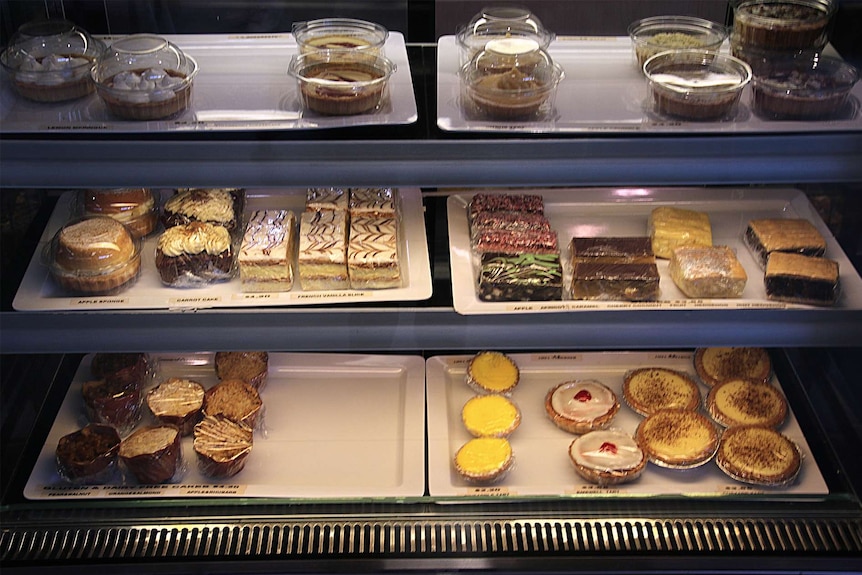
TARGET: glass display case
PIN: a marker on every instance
(352, 466)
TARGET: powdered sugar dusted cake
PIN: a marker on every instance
(266, 255)
(323, 250)
(372, 253)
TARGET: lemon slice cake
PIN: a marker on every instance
(581, 406)
(716, 364)
(759, 455)
(649, 389)
(607, 457)
(745, 402)
(484, 459)
(678, 438)
(492, 372)
(490, 416)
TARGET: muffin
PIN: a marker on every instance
(716, 364)
(677, 438)
(94, 256)
(177, 402)
(758, 455)
(234, 399)
(651, 389)
(742, 401)
(133, 207)
(492, 372)
(222, 445)
(607, 457)
(114, 401)
(484, 459)
(581, 406)
(490, 416)
(152, 454)
(249, 366)
(88, 455)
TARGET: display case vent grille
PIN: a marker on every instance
(434, 539)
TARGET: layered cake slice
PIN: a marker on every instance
(372, 253)
(801, 279)
(525, 203)
(266, 255)
(323, 250)
(317, 199)
(671, 227)
(791, 235)
(516, 243)
(508, 222)
(523, 277)
(615, 281)
(217, 206)
(611, 250)
(373, 202)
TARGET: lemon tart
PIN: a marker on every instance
(490, 416)
(484, 459)
(742, 401)
(607, 457)
(759, 455)
(649, 389)
(716, 364)
(492, 372)
(581, 406)
(678, 438)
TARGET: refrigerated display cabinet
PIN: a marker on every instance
(814, 350)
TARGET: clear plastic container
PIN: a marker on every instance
(804, 89)
(94, 255)
(50, 61)
(336, 83)
(496, 23)
(135, 207)
(661, 33)
(144, 77)
(696, 84)
(340, 34)
(781, 24)
(511, 79)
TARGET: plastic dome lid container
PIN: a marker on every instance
(661, 33)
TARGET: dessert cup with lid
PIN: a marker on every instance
(781, 24)
(144, 77)
(50, 61)
(696, 84)
(340, 34)
(473, 37)
(339, 83)
(656, 34)
(804, 89)
(510, 79)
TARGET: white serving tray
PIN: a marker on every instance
(604, 92)
(624, 212)
(242, 84)
(542, 466)
(335, 426)
(38, 291)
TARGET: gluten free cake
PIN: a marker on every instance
(234, 399)
(222, 445)
(250, 366)
(177, 402)
(88, 455)
(152, 454)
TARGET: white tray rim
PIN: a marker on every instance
(783, 202)
(416, 269)
(44, 483)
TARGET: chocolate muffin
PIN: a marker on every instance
(88, 455)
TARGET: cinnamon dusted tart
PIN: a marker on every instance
(716, 364)
(649, 389)
(678, 438)
(759, 455)
(741, 401)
